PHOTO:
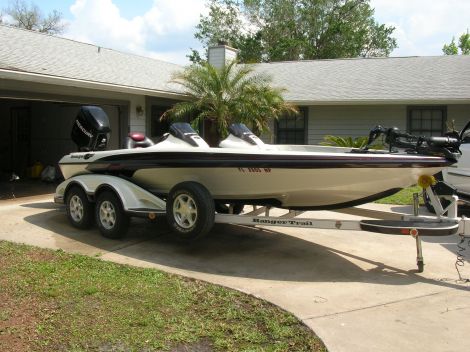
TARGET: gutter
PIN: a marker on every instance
(440, 101)
(80, 83)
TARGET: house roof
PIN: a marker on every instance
(26, 51)
(439, 79)
(373, 80)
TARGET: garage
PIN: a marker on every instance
(43, 82)
(35, 134)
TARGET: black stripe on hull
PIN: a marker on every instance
(277, 204)
(136, 161)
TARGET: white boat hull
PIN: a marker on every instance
(285, 178)
(290, 187)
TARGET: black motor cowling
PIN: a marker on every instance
(91, 129)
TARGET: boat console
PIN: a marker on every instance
(241, 137)
(91, 129)
(181, 134)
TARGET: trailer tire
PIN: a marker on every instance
(78, 208)
(111, 218)
(190, 210)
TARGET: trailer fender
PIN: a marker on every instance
(134, 198)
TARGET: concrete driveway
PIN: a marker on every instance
(358, 291)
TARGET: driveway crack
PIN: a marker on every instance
(130, 244)
(373, 306)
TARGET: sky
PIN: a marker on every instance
(164, 29)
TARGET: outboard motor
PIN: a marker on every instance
(241, 137)
(91, 129)
(137, 140)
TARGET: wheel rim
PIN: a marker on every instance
(185, 211)
(76, 208)
(107, 215)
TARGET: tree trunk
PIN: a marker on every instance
(211, 135)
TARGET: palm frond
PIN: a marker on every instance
(233, 93)
(350, 142)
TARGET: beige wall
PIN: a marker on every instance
(356, 121)
(352, 121)
(458, 113)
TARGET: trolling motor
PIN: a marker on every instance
(91, 129)
(447, 145)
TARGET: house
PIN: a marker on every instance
(421, 95)
(44, 79)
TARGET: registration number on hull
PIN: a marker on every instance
(254, 169)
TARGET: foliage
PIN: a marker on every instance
(338, 141)
(463, 45)
(227, 95)
(350, 142)
(29, 16)
(278, 30)
(404, 197)
(451, 48)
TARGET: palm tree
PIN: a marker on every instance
(358, 142)
(338, 141)
(233, 93)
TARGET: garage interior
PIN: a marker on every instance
(35, 134)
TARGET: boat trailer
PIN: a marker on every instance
(136, 201)
(445, 223)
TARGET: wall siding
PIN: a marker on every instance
(352, 121)
(458, 113)
(357, 121)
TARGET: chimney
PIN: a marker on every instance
(221, 54)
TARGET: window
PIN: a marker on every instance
(427, 120)
(292, 129)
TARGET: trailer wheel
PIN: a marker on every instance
(190, 210)
(79, 209)
(111, 218)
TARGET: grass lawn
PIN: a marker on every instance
(54, 301)
(404, 197)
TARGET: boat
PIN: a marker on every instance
(244, 170)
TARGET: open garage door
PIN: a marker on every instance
(36, 134)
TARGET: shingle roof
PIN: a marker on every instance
(27, 51)
(439, 78)
(374, 80)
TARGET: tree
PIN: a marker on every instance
(453, 49)
(226, 23)
(277, 30)
(29, 16)
(227, 95)
(350, 142)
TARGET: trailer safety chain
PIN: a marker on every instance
(460, 262)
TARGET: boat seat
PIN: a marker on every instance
(137, 140)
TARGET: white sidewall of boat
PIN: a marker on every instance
(293, 187)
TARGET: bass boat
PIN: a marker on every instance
(244, 170)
